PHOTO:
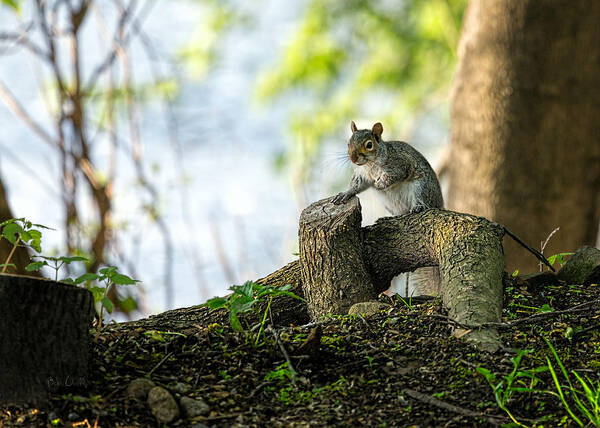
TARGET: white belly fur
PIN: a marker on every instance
(403, 197)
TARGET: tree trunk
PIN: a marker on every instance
(45, 338)
(525, 140)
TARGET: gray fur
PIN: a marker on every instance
(400, 174)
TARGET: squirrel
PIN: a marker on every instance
(402, 177)
(401, 174)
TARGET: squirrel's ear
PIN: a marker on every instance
(353, 126)
(377, 129)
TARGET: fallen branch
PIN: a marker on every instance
(494, 420)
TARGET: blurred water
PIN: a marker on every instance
(227, 145)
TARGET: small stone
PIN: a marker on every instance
(181, 388)
(139, 388)
(163, 405)
(580, 265)
(193, 407)
(367, 308)
(73, 416)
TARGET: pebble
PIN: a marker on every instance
(163, 405)
(181, 388)
(139, 388)
(193, 407)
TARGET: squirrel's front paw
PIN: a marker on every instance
(341, 198)
(417, 209)
(380, 183)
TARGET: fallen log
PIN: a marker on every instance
(342, 263)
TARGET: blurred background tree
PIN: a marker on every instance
(92, 117)
(525, 145)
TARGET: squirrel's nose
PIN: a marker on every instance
(353, 157)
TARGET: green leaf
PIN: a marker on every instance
(108, 305)
(35, 266)
(11, 232)
(235, 322)
(247, 289)
(98, 293)
(546, 308)
(239, 306)
(119, 278)
(216, 303)
(71, 259)
(42, 226)
(68, 281)
(36, 240)
(12, 265)
(13, 4)
(108, 271)
(86, 277)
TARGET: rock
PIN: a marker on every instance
(139, 388)
(193, 407)
(367, 308)
(181, 388)
(593, 277)
(163, 405)
(580, 265)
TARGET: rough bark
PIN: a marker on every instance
(45, 337)
(331, 248)
(525, 140)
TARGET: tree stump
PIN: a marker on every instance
(44, 327)
(331, 248)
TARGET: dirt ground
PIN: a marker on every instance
(400, 367)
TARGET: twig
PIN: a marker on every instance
(536, 253)
(543, 244)
(495, 420)
(160, 363)
(507, 325)
(284, 352)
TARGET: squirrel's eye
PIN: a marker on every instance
(369, 145)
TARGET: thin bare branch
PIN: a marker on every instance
(120, 38)
(19, 111)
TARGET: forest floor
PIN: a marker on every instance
(399, 367)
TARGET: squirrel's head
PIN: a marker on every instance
(364, 143)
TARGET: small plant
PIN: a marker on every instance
(559, 258)
(516, 381)
(587, 400)
(243, 299)
(282, 373)
(408, 302)
(109, 276)
(54, 263)
(21, 232)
